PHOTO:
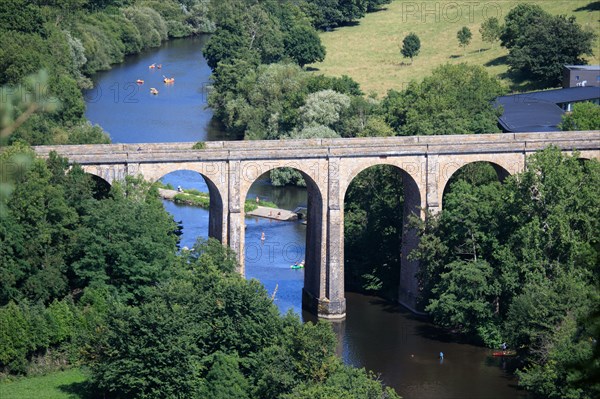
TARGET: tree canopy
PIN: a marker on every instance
(464, 36)
(455, 99)
(585, 116)
(525, 254)
(540, 44)
(490, 30)
(411, 45)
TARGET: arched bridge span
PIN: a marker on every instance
(426, 162)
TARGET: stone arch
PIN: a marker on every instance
(504, 164)
(314, 282)
(217, 223)
(97, 176)
(313, 169)
(108, 173)
(412, 171)
(501, 174)
(588, 155)
(101, 186)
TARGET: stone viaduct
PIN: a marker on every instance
(328, 166)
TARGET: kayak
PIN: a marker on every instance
(297, 266)
(504, 353)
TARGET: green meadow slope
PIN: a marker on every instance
(68, 384)
(370, 51)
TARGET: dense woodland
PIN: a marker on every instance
(93, 277)
(69, 264)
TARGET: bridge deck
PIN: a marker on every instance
(319, 148)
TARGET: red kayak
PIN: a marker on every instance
(504, 353)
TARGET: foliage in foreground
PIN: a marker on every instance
(96, 279)
(518, 262)
(207, 332)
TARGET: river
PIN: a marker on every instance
(377, 335)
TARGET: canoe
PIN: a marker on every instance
(504, 353)
(153, 91)
(139, 81)
(169, 80)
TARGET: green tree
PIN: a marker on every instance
(465, 296)
(205, 331)
(264, 104)
(224, 379)
(324, 14)
(303, 45)
(323, 108)
(518, 20)
(490, 30)
(545, 47)
(21, 16)
(430, 107)
(530, 244)
(464, 36)
(352, 9)
(411, 45)
(126, 241)
(585, 116)
(373, 231)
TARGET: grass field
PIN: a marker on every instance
(67, 384)
(370, 51)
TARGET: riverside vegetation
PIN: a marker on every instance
(200, 199)
(93, 277)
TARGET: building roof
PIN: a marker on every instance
(529, 116)
(583, 67)
(558, 96)
(538, 111)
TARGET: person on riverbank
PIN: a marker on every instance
(441, 356)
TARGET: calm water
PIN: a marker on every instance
(130, 114)
(377, 335)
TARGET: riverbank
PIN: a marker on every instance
(262, 209)
(273, 213)
(129, 113)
